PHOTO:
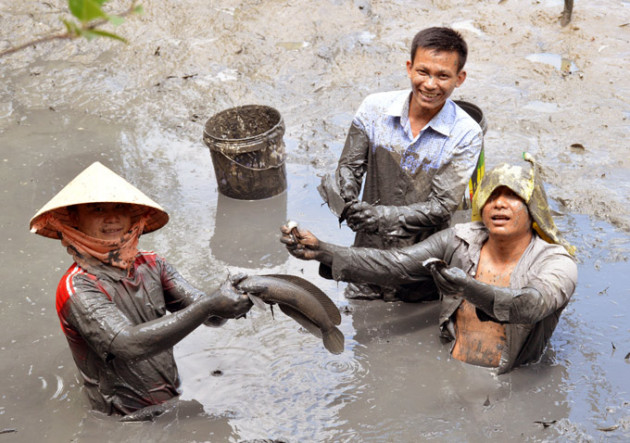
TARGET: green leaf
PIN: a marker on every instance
(71, 27)
(115, 20)
(93, 33)
(86, 10)
(138, 10)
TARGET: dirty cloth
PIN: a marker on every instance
(94, 305)
(546, 267)
(419, 181)
(86, 249)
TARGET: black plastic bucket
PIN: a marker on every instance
(475, 112)
(247, 151)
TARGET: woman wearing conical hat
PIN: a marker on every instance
(112, 301)
(503, 280)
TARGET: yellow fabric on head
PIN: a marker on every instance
(524, 180)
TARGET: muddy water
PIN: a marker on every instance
(140, 109)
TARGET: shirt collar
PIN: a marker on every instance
(441, 122)
(475, 235)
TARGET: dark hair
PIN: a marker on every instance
(441, 39)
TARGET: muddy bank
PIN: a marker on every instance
(141, 109)
(188, 61)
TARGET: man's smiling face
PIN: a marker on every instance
(434, 75)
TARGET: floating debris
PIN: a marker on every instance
(546, 424)
(467, 25)
(565, 66)
(562, 64)
(543, 107)
(609, 428)
(293, 46)
(487, 402)
(580, 147)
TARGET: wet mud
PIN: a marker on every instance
(557, 92)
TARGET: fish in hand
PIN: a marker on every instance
(302, 301)
(434, 263)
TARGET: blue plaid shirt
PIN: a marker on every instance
(384, 117)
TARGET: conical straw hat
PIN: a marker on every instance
(98, 184)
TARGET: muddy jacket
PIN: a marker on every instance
(94, 308)
(529, 321)
(418, 181)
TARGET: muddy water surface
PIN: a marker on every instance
(140, 110)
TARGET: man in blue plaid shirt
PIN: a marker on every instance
(417, 150)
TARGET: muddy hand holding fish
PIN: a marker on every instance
(302, 301)
(434, 263)
(292, 227)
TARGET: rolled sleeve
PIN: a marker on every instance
(553, 281)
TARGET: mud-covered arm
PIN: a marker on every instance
(386, 267)
(179, 293)
(447, 189)
(91, 315)
(353, 163)
(145, 339)
(550, 287)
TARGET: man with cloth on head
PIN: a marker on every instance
(417, 150)
(113, 300)
(503, 281)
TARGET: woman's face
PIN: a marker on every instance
(105, 221)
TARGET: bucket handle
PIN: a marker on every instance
(249, 167)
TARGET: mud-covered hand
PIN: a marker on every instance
(454, 281)
(363, 216)
(216, 321)
(229, 302)
(300, 243)
(348, 186)
(450, 281)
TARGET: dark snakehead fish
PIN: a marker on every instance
(302, 301)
